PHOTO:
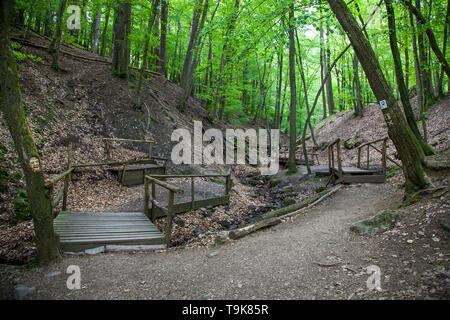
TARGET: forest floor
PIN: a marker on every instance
(310, 256)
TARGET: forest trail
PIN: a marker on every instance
(311, 256)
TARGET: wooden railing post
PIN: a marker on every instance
(150, 150)
(368, 156)
(68, 178)
(153, 218)
(359, 158)
(146, 195)
(124, 170)
(383, 159)
(228, 183)
(192, 193)
(108, 155)
(169, 218)
(339, 159)
(329, 160)
(50, 197)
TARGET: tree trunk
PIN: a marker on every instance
(407, 145)
(430, 35)
(162, 48)
(400, 80)
(47, 241)
(322, 65)
(122, 27)
(97, 21)
(358, 105)
(53, 49)
(329, 83)
(105, 30)
(151, 21)
(292, 165)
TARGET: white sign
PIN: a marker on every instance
(383, 104)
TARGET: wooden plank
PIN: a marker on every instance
(364, 179)
(186, 206)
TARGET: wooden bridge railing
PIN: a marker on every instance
(171, 210)
(64, 190)
(172, 190)
(109, 140)
(383, 152)
(331, 163)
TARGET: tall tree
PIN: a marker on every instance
(47, 242)
(405, 141)
(122, 27)
(162, 61)
(400, 80)
(53, 49)
(292, 165)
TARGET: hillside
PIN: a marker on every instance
(354, 131)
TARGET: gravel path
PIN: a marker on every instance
(311, 256)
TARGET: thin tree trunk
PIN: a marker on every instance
(400, 80)
(292, 165)
(53, 49)
(162, 48)
(97, 21)
(105, 30)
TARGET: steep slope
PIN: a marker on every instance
(354, 131)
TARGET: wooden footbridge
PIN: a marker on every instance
(85, 230)
(358, 174)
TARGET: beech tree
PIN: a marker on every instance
(122, 28)
(47, 242)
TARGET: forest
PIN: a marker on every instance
(92, 91)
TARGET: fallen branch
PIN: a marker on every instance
(242, 232)
(300, 205)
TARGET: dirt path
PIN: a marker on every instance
(279, 263)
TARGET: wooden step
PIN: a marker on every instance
(370, 178)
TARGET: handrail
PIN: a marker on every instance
(112, 163)
(129, 140)
(166, 185)
(109, 140)
(371, 142)
(54, 180)
(172, 190)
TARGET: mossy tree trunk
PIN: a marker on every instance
(405, 141)
(11, 105)
(53, 49)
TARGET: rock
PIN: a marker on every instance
(222, 237)
(213, 254)
(285, 189)
(380, 222)
(142, 247)
(225, 223)
(95, 250)
(179, 221)
(52, 274)
(21, 291)
(197, 230)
